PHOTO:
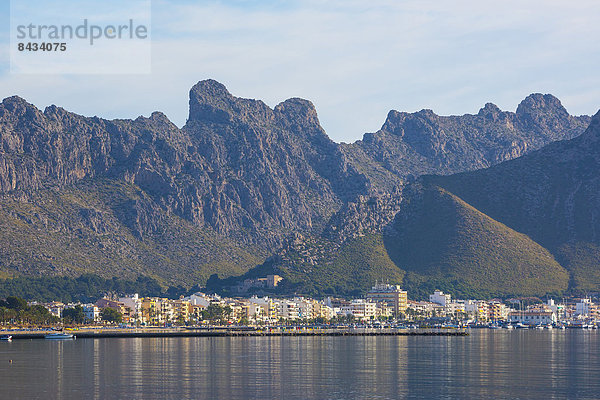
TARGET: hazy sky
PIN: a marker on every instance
(355, 60)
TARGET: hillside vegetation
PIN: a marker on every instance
(443, 242)
(349, 271)
(101, 227)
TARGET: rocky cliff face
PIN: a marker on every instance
(55, 147)
(249, 174)
(271, 170)
(366, 215)
(425, 143)
(247, 171)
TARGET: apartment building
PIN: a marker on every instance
(389, 294)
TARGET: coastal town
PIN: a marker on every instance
(383, 304)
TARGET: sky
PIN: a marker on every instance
(355, 60)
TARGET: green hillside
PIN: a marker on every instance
(315, 266)
(351, 270)
(582, 261)
(438, 241)
(105, 228)
(552, 195)
(444, 243)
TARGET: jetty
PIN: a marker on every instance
(86, 333)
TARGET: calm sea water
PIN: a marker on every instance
(488, 364)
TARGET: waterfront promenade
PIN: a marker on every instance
(238, 332)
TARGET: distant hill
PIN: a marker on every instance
(551, 195)
(441, 241)
(437, 241)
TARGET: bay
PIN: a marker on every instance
(523, 364)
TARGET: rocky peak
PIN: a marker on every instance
(490, 111)
(300, 110)
(211, 102)
(489, 108)
(299, 117)
(538, 102)
(393, 121)
(12, 102)
(541, 109)
(17, 107)
(401, 123)
(159, 117)
(53, 111)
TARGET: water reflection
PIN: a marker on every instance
(487, 364)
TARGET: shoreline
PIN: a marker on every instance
(228, 332)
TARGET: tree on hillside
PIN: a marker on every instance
(111, 315)
(16, 303)
(74, 315)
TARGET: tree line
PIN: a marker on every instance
(15, 310)
(85, 288)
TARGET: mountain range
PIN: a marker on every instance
(243, 189)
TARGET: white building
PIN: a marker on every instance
(533, 317)
(440, 298)
(91, 312)
(456, 307)
(255, 312)
(287, 309)
(134, 303)
(201, 299)
(360, 309)
(56, 308)
(305, 308)
(558, 309)
(583, 307)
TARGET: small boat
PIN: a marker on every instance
(59, 336)
(509, 326)
(549, 326)
(539, 327)
(6, 338)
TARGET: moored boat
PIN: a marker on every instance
(6, 338)
(59, 336)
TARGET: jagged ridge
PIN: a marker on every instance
(247, 174)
